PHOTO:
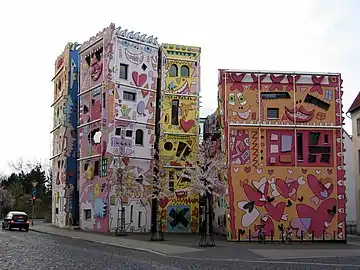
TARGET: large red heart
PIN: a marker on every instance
(186, 124)
(277, 211)
(163, 202)
(139, 80)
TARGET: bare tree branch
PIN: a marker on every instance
(6, 198)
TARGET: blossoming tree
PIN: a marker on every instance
(206, 179)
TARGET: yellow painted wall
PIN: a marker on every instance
(179, 133)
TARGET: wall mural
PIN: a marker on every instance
(280, 177)
(180, 214)
(95, 168)
(179, 129)
(64, 164)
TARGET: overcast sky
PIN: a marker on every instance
(297, 35)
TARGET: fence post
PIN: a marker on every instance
(302, 237)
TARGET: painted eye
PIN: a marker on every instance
(147, 49)
(232, 99)
(125, 43)
(242, 99)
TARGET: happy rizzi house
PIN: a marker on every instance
(120, 87)
(283, 137)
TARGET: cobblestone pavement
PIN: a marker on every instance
(33, 250)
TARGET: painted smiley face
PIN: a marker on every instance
(242, 107)
(96, 66)
(299, 114)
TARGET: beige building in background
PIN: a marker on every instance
(354, 111)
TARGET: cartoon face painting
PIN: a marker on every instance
(95, 62)
(239, 106)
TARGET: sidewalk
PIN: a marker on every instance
(186, 246)
(123, 242)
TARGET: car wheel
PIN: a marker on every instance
(9, 228)
(3, 226)
(20, 229)
(27, 229)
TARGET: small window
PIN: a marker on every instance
(173, 71)
(96, 167)
(299, 146)
(359, 160)
(123, 71)
(314, 138)
(131, 213)
(358, 126)
(129, 133)
(118, 131)
(317, 102)
(325, 158)
(57, 210)
(129, 96)
(139, 220)
(175, 112)
(275, 95)
(185, 72)
(87, 213)
(326, 139)
(139, 137)
(273, 113)
(312, 158)
(86, 166)
(104, 100)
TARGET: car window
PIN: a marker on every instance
(19, 217)
(9, 215)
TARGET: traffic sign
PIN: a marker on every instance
(34, 184)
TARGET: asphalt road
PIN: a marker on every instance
(32, 250)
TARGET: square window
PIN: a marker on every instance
(325, 158)
(96, 167)
(129, 96)
(273, 113)
(326, 139)
(123, 71)
(87, 213)
(118, 131)
(129, 133)
(312, 158)
(328, 94)
(314, 138)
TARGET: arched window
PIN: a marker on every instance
(139, 137)
(185, 72)
(173, 71)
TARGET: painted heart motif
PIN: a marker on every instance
(259, 170)
(324, 213)
(315, 200)
(236, 169)
(319, 189)
(340, 235)
(304, 171)
(260, 185)
(318, 172)
(277, 211)
(301, 225)
(163, 202)
(186, 125)
(284, 217)
(329, 171)
(250, 216)
(139, 80)
(287, 190)
(270, 172)
(290, 171)
(301, 181)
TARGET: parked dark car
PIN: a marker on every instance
(16, 219)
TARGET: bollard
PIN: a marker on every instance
(272, 236)
(239, 235)
(324, 235)
(334, 235)
(312, 237)
(249, 235)
(302, 237)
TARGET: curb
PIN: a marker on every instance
(104, 243)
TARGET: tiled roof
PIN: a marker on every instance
(355, 105)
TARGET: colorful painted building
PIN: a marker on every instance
(283, 136)
(118, 82)
(179, 131)
(64, 165)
